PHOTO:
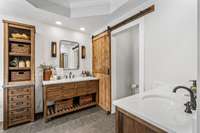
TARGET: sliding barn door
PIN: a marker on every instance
(101, 47)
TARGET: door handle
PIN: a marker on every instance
(108, 71)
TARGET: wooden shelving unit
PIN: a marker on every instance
(18, 81)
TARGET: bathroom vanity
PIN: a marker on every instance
(69, 95)
(155, 111)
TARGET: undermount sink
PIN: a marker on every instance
(164, 107)
(153, 99)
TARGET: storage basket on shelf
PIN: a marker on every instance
(20, 75)
(20, 48)
(86, 99)
(63, 105)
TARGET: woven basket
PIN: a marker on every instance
(20, 48)
(63, 105)
(20, 75)
(85, 99)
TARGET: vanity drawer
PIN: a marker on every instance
(85, 91)
(69, 92)
(69, 86)
(19, 116)
(93, 84)
(20, 111)
(19, 98)
(82, 84)
(19, 91)
(54, 93)
(19, 105)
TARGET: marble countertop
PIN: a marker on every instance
(161, 108)
(77, 79)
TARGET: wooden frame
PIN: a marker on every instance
(12, 86)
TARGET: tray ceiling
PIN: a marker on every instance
(16, 9)
(79, 8)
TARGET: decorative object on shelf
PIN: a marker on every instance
(20, 36)
(83, 52)
(14, 62)
(86, 73)
(28, 63)
(53, 49)
(47, 72)
(22, 63)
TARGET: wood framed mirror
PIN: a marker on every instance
(69, 55)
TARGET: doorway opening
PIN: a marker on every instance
(127, 60)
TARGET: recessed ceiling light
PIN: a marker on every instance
(58, 23)
(82, 29)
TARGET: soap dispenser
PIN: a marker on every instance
(194, 86)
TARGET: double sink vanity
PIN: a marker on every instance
(69, 95)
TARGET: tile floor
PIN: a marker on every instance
(92, 120)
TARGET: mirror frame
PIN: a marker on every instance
(60, 55)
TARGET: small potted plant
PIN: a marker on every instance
(47, 71)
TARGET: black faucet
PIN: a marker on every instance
(192, 102)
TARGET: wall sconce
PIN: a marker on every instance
(53, 49)
(83, 52)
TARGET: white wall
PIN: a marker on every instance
(44, 35)
(171, 42)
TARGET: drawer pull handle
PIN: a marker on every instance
(20, 96)
(19, 103)
(20, 72)
(20, 45)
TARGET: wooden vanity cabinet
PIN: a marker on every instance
(69, 97)
(128, 123)
(19, 105)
